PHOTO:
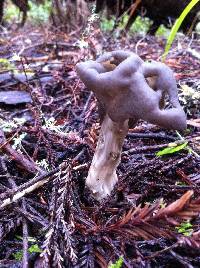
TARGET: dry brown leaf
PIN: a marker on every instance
(101, 261)
(176, 206)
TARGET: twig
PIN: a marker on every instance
(20, 192)
(167, 186)
(82, 115)
(32, 218)
(149, 148)
(173, 163)
(33, 184)
(38, 217)
(49, 44)
(181, 260)
(25, 240)
(150, 136)
(28, 165)
(191, 150)
(157, 253)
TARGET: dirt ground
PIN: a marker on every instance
(49, 129)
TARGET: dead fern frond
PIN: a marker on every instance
(152, 221)
(59, 241)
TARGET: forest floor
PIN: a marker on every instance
(49, 129)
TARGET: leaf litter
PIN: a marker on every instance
(42, 187)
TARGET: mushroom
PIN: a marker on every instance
(122, 83)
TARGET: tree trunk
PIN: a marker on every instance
(69, 15)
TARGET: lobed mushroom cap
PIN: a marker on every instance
(124, 92)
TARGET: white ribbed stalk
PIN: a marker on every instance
(102, 173)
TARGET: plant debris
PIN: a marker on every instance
(15, 97)
(47, 146)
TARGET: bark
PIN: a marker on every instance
(69, 15)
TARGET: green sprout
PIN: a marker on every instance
(6, 65)
(177, 25)
(18, 255)
(32, 249)
(39, 14)
(107, 24)
(117, 264)
(141, 25)
(172, 148)
(185, 228)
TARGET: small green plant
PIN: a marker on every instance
(32, 249)
(163, 31)
(40, 13)
(117, 264)
(18, 255)
(172, 148)
(11, 12)
(177, 25)
(107, 24)
(141, 25)
(185, 228)
(6, 65)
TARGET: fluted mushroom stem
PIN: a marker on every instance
(102, 173)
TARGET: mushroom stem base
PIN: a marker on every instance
(102, 173)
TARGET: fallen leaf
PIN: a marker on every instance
(15, 97)
(175, 206)
(171, 150)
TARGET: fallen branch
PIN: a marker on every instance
(150, 136)
(29, 187)
(34, 184)
(21, 160)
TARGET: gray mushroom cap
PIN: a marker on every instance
(124, 93)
